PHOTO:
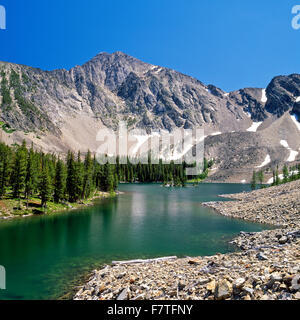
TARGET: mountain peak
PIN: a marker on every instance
(113, 56)
(120, 53)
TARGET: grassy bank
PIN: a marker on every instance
(12, 208)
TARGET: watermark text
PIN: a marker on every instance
(138, 146)
(2, 18)
(2, 278)
(296, 18)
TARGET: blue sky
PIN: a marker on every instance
(232, 44)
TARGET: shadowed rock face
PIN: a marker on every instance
(251, 100)
(296, 110)
(65, 108)
(282, 93)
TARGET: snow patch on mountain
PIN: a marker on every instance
(293, 154)
(264, 98)
(295, 120)
(254, 126)
(266, 161)
(284, 144)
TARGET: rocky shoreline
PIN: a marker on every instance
(266, 268)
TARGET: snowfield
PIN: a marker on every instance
(264, 98)
(293, 154)
(267, 161)
(284, 144)
(254, 127)
(294, 118)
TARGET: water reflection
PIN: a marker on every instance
(43, 254)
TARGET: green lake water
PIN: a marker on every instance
(44, 256)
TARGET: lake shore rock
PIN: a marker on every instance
(267, 267)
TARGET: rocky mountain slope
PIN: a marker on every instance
(64, 109)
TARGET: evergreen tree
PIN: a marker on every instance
(31, 175)
(60, 181)
(19, 172)
(205, 164)
(71, 177)
(285, 173)
(261, 177)
(88, 185)
(253, 181)
(45, 187)
(5, 155)
(277, 179)
(109, 178)
(79, 178)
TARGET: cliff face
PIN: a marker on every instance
(63, 109)
(282, 94)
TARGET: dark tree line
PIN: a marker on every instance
(173, 174)
(27, 173)
(170, 174)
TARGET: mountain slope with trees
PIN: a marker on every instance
(63, 110)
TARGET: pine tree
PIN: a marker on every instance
(71, 177)
(277, 179)
(88, 185)
(253, 181)
(5, 155)
(285, 173)
(205, 164)
(31, 176)
(110, 179)
(74, 177)
(45, 187)
(79, 178)
(19, 172)
(60, 181)
(261, 177)
(274, 178)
